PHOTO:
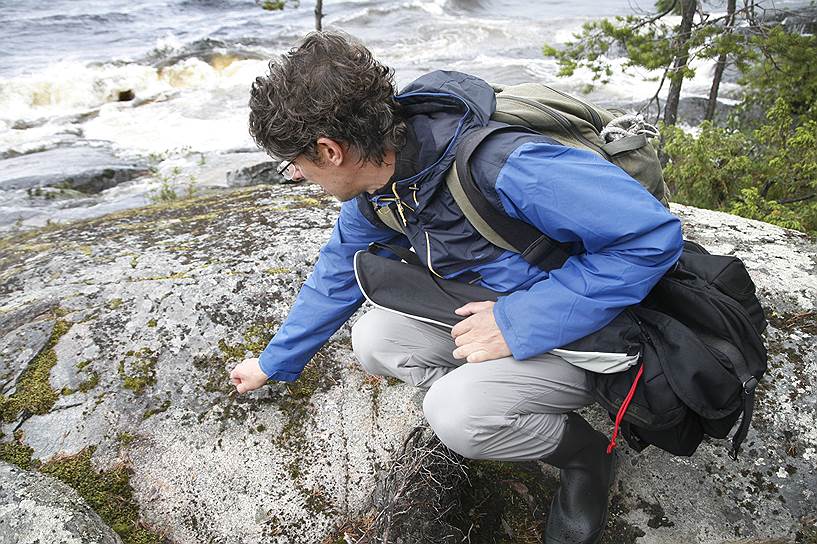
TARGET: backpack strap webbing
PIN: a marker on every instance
(404, 253)
(494, 225)
(388, 216)
(379, 216)
(748, 385)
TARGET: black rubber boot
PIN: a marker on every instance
(578, 513)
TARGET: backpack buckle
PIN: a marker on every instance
(749, 385)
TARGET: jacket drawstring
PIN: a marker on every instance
(399, 203)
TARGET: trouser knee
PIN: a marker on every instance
(365, 339)
(479, 423)
(452, 418)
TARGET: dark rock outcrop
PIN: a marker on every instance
(86, 169)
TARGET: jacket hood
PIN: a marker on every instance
(471, 94)
(439, 107)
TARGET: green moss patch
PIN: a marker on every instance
(153, 411)
(34, 393)
(17, 453)
(316, 501)
(255, 339)
(108, 492)
(299, 202)
(125, 438)
(138, 370)
(316, 376)
(173, 276)
(90, 383)
(506, 502)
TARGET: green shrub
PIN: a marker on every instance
(769, 174)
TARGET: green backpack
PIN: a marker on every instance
(568, 120)
(580, 124)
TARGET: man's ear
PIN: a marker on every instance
(330, 151)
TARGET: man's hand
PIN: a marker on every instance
(478, 338)
(248, 376)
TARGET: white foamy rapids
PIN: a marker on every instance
(168, 43)
(70, 88)
(630, 85)
(432, 7)
(210, 115)
(445, 41)
(192, 103)
(435, 7)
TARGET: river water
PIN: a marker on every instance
(64, 64)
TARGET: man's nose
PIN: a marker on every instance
(297, 174)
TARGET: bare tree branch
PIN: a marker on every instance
(652, 20)
(798, 199)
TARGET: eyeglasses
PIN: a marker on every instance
(287, 169)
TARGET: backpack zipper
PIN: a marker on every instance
(562, 120)
(596, 119)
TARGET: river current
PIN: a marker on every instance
(187, 65)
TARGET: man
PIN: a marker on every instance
(328, 110)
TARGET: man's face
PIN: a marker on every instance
(339, 181)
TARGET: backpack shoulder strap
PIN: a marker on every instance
(383, 216)
(495, 225)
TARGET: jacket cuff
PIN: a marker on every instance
(506, 329)
(282, 376)
(276, 374)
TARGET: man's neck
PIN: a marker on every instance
(374, 177)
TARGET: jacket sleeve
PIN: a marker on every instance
(630, 240)
(328, 298)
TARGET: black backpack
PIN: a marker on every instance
(698, 332)
(702, 354)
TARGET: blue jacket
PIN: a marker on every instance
(623, 239)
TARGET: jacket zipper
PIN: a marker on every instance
(562, 120)
(428, 255)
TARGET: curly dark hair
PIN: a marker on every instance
(330, 85)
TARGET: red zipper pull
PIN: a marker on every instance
(623, 409)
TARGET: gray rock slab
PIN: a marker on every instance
(86, 169)
(38, 509)
(165, 300)
(18, 348)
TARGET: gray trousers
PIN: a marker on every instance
(502, 409)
